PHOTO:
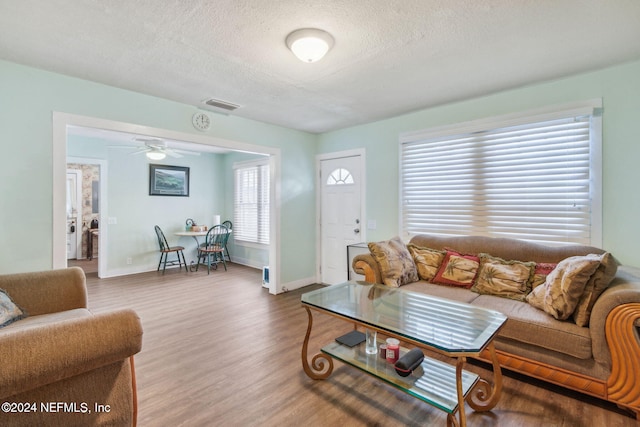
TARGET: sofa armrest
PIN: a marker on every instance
(35, 357)
(46, 292)
(624, 289)
(366, 265)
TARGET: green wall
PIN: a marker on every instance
(137, 212)
(619, 88)
(29, 98)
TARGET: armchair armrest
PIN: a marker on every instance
(34, 357)
(46, 292)
(366, 265)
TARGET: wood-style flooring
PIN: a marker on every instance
(219, 350)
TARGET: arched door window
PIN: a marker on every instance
(340, 176)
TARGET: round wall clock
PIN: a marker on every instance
(201, 121)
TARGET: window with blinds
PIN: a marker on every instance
(536, 180)
(251, 202)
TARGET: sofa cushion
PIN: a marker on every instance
(532, 326)
(427, 260)
(9, 310)
(564, 286)
(396, 265)
(457, 269)
(598, 282)
(507, 279)
(542, 270)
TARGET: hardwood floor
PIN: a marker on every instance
(88, 266)
(219, 350)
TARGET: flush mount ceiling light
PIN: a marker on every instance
(309, 44)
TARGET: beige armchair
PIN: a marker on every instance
(63, 365)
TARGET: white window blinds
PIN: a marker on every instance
(532, 181)
(251, 203)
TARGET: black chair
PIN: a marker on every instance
(213, 248)
(165, 250)
(229, 225)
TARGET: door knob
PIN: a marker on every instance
(356, 230)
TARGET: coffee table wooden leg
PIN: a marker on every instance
(463, 415)
(321, 364)
(484, 397)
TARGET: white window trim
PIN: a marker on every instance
(588, 107)
(511, 119)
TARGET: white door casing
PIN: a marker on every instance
(74, 213)
(341, 214)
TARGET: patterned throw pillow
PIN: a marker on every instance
(9, 311)
(507, 279)
(457, 269)
(396, 265)
(595, 286)
(543, 269)
(564, 286)
(427, 260)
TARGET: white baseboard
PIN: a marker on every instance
(246, 262)
(296, 284)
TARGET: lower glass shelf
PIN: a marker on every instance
(433, 382)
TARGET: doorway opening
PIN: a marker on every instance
(91, 184)
(61, 124)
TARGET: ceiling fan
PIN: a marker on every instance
(157, 149)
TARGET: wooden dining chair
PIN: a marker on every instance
(213, 248)
(165, 250)
(229, 225)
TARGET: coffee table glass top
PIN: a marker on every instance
(447, 325)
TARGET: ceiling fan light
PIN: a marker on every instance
(156, 155)
(309, 44)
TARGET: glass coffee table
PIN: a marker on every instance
(451, 328)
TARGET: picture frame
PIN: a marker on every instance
(167, 180)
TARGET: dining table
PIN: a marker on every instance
(195, 235)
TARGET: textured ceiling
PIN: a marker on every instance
(390, 56)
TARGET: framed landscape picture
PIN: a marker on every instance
(168, 180)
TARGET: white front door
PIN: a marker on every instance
(340, 211)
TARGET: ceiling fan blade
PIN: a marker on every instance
(150, 141)
(129, 147)
(172, 153)
(191, 153)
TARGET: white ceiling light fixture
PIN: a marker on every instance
(156, 155)
(309, 44)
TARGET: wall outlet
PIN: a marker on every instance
(129, 261)
(112, 220)
(372, 224)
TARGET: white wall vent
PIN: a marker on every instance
(224, 105)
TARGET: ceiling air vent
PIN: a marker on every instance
(224, 105)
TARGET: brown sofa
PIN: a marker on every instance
(601, 359)
(62, 365)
